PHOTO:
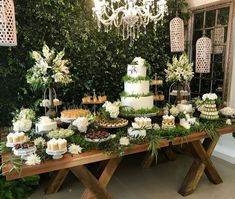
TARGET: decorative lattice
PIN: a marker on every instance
(177, 34)
(7, 23)
(203, 55)
(218, 38)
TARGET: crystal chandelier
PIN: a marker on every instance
(128, 16)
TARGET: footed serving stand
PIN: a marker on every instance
(56, 154)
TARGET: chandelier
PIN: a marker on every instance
(128, 16)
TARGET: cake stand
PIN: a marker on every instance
(56, 154)
(24, 153)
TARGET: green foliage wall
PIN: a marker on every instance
(98, 60)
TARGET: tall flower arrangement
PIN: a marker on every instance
(180, 69)
(49, 68)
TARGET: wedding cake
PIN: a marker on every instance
(136, 86)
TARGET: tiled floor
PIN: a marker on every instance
(161, 182)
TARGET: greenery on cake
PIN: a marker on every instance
(125, 94)
(135, 79)
(130, 111)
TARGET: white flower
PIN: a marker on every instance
(22, 125)
(112, 108)
(209, 96)
(228, 122)
(174, 111)
(140, 61)
(36, 56)
(81, 123)
(39, 141)
(124, 141)
(75, 149)
(27, 114)
(33, 160)
(58, 77)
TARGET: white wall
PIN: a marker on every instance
(226, 146)
(195, 3)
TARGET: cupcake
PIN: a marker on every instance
(10, 138)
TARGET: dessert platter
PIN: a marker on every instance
(67, 116)
(112, 123)
(56, 148)
(24, 150)
(98, 136)
(94, 100)
(60, 133)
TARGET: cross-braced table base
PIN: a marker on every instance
(95, 188)
(202, 163)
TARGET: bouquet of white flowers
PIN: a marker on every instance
(139, 61)
(209, 96)
(180, 69)
(23, 120)
(49, 68)
(111, 109)
(81, 123)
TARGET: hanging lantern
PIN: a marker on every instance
(203, 55)
(7, 23)
(177, 34)
(218, 39)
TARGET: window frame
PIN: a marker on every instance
(228, 62)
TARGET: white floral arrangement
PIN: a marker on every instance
(49, 68)
(23, 120)
(82, 124)
(139, 61)
(112, 109)
(179, 70)
(209, 96)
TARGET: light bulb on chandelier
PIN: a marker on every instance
(129, 16)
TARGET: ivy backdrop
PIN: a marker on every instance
(98, 59)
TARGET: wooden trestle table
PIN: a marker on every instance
(202, 148)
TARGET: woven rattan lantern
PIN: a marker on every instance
(203, 55)
(218, 39)
(7, 23)
(177, 34)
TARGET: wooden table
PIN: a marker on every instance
(96, 187)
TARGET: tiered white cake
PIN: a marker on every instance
(136, 86)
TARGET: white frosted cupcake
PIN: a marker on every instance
(10, 137)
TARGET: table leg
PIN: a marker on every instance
(202, 163)
(96, 189)
(57, 181)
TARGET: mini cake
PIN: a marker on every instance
(13, 138)
(74, 113)
(57, 145)
(143, 122)
(168, 122)
(45, 124)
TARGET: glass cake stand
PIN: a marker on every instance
(24, 153)
(56, 154)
